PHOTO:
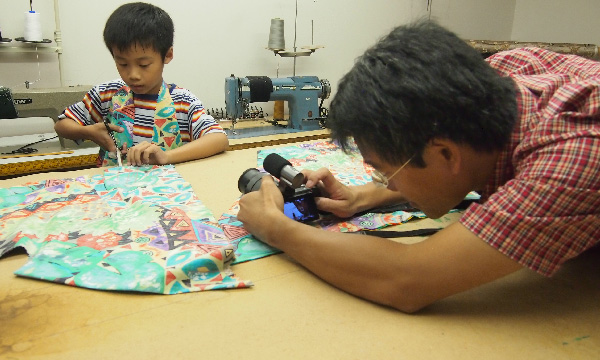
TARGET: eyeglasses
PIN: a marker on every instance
(382, 180)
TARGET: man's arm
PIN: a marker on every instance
(406, 277)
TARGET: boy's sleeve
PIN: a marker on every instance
(92, 108)
(203, 123)
(200, 122)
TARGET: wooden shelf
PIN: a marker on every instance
(26, 47)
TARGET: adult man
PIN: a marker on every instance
(437, 121)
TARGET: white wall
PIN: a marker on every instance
(213, 39)
(572, 21)
(476, 19)
(18, 67)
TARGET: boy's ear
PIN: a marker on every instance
(168, 56)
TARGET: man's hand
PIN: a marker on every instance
(146, 153)
(341, 200)
(262, 210)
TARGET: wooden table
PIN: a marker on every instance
(53, 156)
(290, 313)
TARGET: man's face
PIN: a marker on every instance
(141, 68)
(432, 189)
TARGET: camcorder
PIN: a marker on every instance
(298, 200)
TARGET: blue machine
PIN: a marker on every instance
(301, 92)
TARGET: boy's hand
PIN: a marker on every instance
(146, 153)
(98, 134)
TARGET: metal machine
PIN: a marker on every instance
(47, 103)
(301, 92)
(27, 117)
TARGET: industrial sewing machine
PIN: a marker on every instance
(47, 103)
(27, 118)
(301, 92)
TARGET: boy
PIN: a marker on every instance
(152, 122)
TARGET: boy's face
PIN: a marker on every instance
(141, 68)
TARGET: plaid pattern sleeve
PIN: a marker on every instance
(542, 206)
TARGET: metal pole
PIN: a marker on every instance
(58, 40)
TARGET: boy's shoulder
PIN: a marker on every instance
(179, 93)
(107, 86)
(176, 89)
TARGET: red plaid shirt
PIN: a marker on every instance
(542, 205)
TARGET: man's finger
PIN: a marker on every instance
(322, 174)
(266, 179)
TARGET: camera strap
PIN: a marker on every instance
(409, 233)
(397, 234)
(407, 207)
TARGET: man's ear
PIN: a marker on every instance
(449, 153)
(168, 56)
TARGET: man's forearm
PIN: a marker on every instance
(370, 196)
(358, 264)
(406, 277)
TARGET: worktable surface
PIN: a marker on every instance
(292, 314)
(61, 155)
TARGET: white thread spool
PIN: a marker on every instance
(33, 26)
(276, 37)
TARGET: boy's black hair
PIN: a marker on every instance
(418, 83)
(139, 24)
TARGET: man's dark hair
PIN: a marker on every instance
(139, 24)
(418, 83)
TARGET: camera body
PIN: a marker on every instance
(301, 205)
(298, 200)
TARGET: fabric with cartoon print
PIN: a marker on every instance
(129, 229)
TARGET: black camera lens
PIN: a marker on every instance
(250, 180)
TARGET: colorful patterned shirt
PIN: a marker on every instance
(542, 205)
(190, 113)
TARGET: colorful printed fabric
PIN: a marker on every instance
(349, 169)
(121, 112)
(130, 229)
